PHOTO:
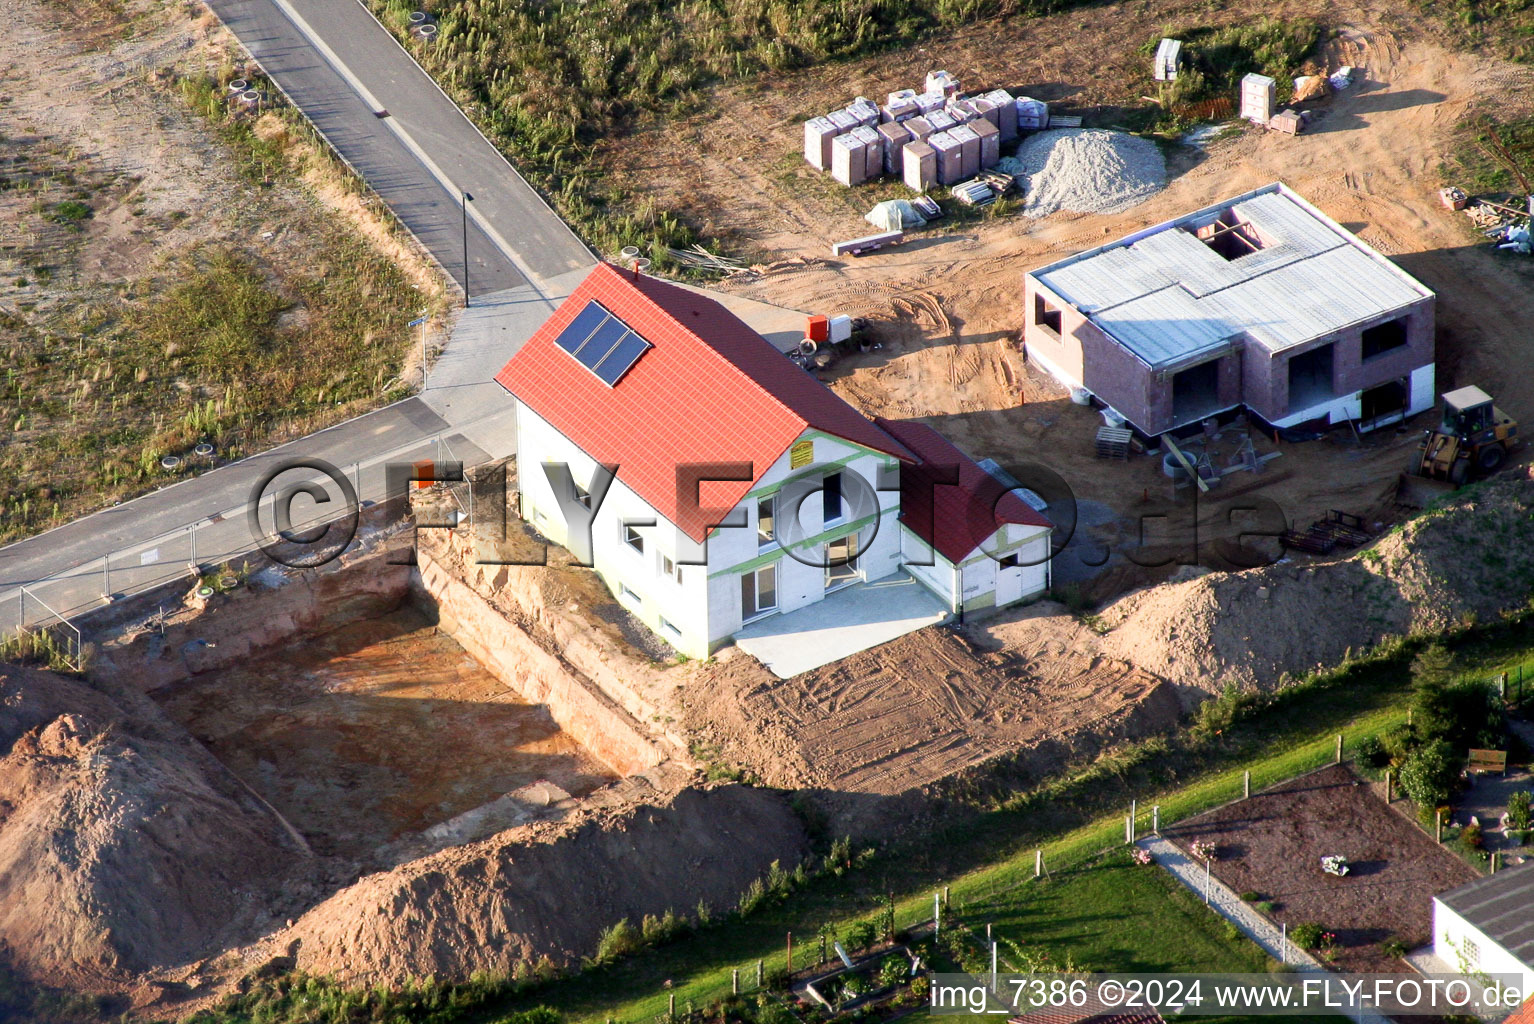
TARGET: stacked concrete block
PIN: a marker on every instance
(927, 102)
(864, 111)
(844, 121)
(962, 111)
(987, 110)
(941, 120)
(873, 151)
(919, 166)
(1257, 99)
(969, 150)
(1006, 113)
(894, 136)
(950, 161)
(919, 127)
(849, 164)
(898, 111)
(990, 142)
(943, 82)
(818, 133)
(1032, 114)
(901, 96)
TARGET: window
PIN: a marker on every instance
(1046, 315)
(766, 521)
(842, 561)
(669, 629)
(831, 496)
(632, 537)
(1007, 561)
(759, 592)
(1472, 952)
(581, 494)
(668, 567)
(1383, 338)
(629, 595)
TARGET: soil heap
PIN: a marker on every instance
(550, 888)
(1470, 559)
(123, 845)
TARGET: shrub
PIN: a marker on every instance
(1393, 948)
(1471, 838)
(1204, 849)
(1370, 751)
(1397, 743)
(853, 985)
(861, 935)
(70, 212)
(1251, 897)
(621, 940)
(919, 987)
(1266, 906)
(894, 971)
(1518, 811)
(1306, 935)
(1428, 774)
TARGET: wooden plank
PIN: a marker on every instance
(1192, 469)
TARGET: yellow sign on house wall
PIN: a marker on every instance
(801, 454)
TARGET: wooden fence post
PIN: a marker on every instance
(945, 897)
(1155, 819)
(1246, 785)
(1438, 826)
(1387, 785)
(1038, 863)
(735, 981)
(790, 952)
(759, 969)
(1339, 748)
(671, 1006)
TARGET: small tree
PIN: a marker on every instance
(1428, 775)
(861, 935)
(1518, 811)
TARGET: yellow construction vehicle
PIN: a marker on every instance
(1473, 441)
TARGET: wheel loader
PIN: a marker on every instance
(1473, 441)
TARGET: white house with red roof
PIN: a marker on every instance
(708, 480)
(966, 536)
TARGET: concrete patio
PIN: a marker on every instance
(861, 616)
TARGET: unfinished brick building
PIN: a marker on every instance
(1261, 301)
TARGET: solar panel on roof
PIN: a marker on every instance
(602, 343)
(616, 363)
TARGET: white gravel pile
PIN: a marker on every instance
(1088, 170)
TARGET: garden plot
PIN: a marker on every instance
(1272, 845)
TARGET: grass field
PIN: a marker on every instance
(238, 344)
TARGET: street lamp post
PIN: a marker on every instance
(421, 323)
(466, 199)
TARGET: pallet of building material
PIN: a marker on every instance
(950, 161)
(818, 133)
(1006, 113)
(1257, 99)
(1287, 121)
(849, 163)
(927, 207)
(1064, 121)
(990, 142)
(918, 163)
(892, 139)
(1032, 114)
(868, 243)
(1001, 183)
(1168, 57)
(969, 150)
(1113, 442)
(974, 193)
(873, 151)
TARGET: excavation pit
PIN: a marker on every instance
(376, 730)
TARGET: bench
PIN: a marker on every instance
(1488, 761)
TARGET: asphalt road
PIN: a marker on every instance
(369, 143)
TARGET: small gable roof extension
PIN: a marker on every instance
(955, 519)
(708, 389)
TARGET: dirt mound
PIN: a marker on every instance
(122, 845)
(1472, 558)
(548, 889)
(934, 702)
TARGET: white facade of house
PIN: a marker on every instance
(987, 577)
(693, 594)
(1463, 946)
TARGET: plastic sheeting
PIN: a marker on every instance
(895, 215)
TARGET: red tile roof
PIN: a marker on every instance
(710, 389)
(1523, 1015)
(953, 513)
